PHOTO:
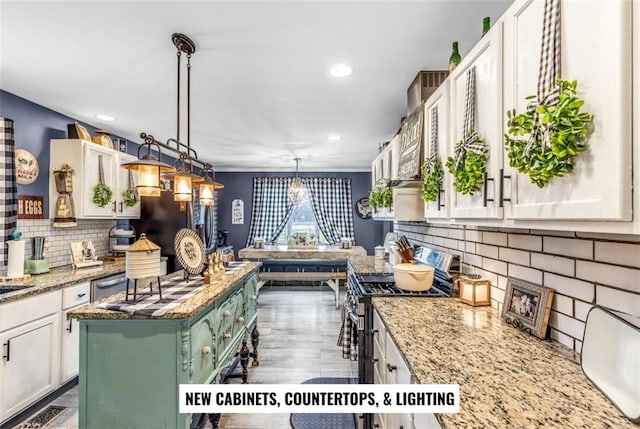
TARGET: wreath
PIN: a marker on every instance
(102, 194)
(469, 165)
(432, 180)
(130, 197)
(552, 144)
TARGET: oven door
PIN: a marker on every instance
(108, 286)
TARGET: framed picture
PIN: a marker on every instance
(527, 306)
(83, 254)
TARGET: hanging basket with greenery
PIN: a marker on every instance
(543, 141)
(469, 164)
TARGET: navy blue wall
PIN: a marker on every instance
(239, 185)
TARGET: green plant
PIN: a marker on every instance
(469, 176)
(102, 194)
(375, 198)
(432, 180)
(387, 196)
(130, 197)
(567, 130)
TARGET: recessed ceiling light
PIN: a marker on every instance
(340, 70)
(333, 138)
(103, 117)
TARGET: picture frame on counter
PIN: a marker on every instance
(527, 306)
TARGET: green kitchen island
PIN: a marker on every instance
(132, 361)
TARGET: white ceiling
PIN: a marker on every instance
(261, 93)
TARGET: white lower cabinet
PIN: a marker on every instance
(30, 351)
(40, 347)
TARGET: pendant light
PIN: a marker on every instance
(183, 179)
(297, 191)
(207, 187)
(148, 168)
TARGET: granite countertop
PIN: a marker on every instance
(507, 378)
(319, 252)
(184, 310)
(60, 277)
(369, 264)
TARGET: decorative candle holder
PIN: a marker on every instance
(474, 290)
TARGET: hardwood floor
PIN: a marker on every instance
(298, 332)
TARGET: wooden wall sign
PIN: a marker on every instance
(30, 207)
(411, 136)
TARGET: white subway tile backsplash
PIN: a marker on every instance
(494, 266)
(566, 324)
(451, 244)
(497, 294)
(562, 338)
(497, 238)
(524, 273)
(493, 278)
(618, 253)
(555, 264)
(581, 309)
(578, 346)
(502, 282)
(458, 234)
(568, 247)
(620, 277)
(526, 242)
(562, 304)
(487, 251)
(475, 260)
(471, 247)
(474, 235)
(584, 291)
(618, 300)
(553, 233)
(516, 256)
(610, 237)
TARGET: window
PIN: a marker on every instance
(302, 220)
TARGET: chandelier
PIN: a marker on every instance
(297, 191)
(184, 179)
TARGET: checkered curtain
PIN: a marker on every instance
(9, 200)
(271, 208)
(331, 202)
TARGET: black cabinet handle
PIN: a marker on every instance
(374, 331)
(376, 425)
(502, 177)
(7, 346)
(485, 185)
(374, 360)
(114, 206)
(70, 326)
(391, 368)
(121, 207)
(80, 295)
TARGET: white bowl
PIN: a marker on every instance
(413, 277)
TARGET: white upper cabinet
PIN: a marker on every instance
(86, 159)
(596, 51)
(486, 56)
(437, 107)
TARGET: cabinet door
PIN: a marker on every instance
(70, 348)
(123, 184)
(203, 350)
(251, 291)
(29, 367)
(91, 177)
(438, 103)
(377, 168)
(486, 56)
(596, 51)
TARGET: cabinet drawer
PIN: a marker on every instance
(379, 362)
(25, 310)
(400, 374)
(75, 295)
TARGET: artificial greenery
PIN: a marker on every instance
(102, 194)
(469, 176)
(387, 196)
(432, 180)
(381, 196)
(568, 129)
(375, 198)
(130, 197)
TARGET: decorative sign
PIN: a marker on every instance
(30, 207)
(411, 136)
(237, 212)
(27, 168)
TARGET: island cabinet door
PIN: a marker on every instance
(486, 58)
(203, 350)
(228, 323)
(251, 293)
(596, 52)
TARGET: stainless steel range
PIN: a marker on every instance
(361, 287)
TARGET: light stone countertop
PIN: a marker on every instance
(283, 252)
(507, 378)
(60, 277)
(185, 310)
(369, 264)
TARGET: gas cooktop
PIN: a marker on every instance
(384, 285)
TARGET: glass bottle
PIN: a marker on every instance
(454, 59)
(486, 25)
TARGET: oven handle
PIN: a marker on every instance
(107, 283)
